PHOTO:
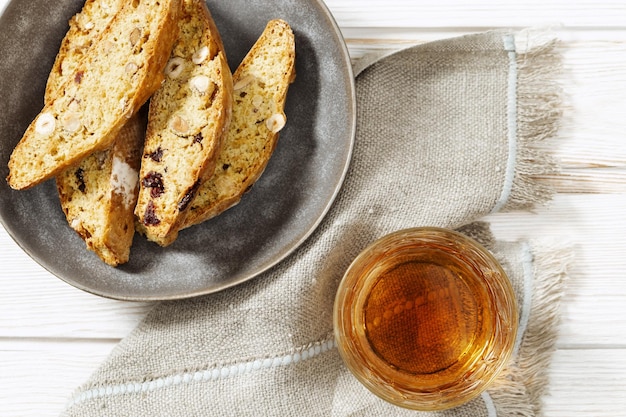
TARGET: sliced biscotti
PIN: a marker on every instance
(188, 117)
(260, 89)
(119, 73)
(84, 30)
(98, 196)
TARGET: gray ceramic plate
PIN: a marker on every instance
(272, 220)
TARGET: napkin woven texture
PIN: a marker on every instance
(445, 135)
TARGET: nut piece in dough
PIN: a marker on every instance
(200, 83)
(131, 68)
(135, 35)
(243, 82)
(276, 122)
(71, 121)
(179, 125)
(175, 67)
(45, 124)
(200, 55)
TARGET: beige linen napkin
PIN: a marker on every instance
(444, 137)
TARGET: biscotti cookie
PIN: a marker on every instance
(260, 89)
(120, 72)
(84, 30)
(98, 196)
(187, 119)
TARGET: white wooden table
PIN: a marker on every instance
(53, 336)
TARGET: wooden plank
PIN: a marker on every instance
(587, 383)
(35, 303)
(38, 377)
(477, 14)
(391, 37)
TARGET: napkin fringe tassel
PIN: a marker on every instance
(527, 380)
(539, 111)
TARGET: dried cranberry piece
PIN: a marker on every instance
(149, 217)
(156, 156)
(184, 202)
(154, 181)
(80, 178)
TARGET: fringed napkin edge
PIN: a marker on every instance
(520, 390)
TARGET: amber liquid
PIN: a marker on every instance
(428, 316)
